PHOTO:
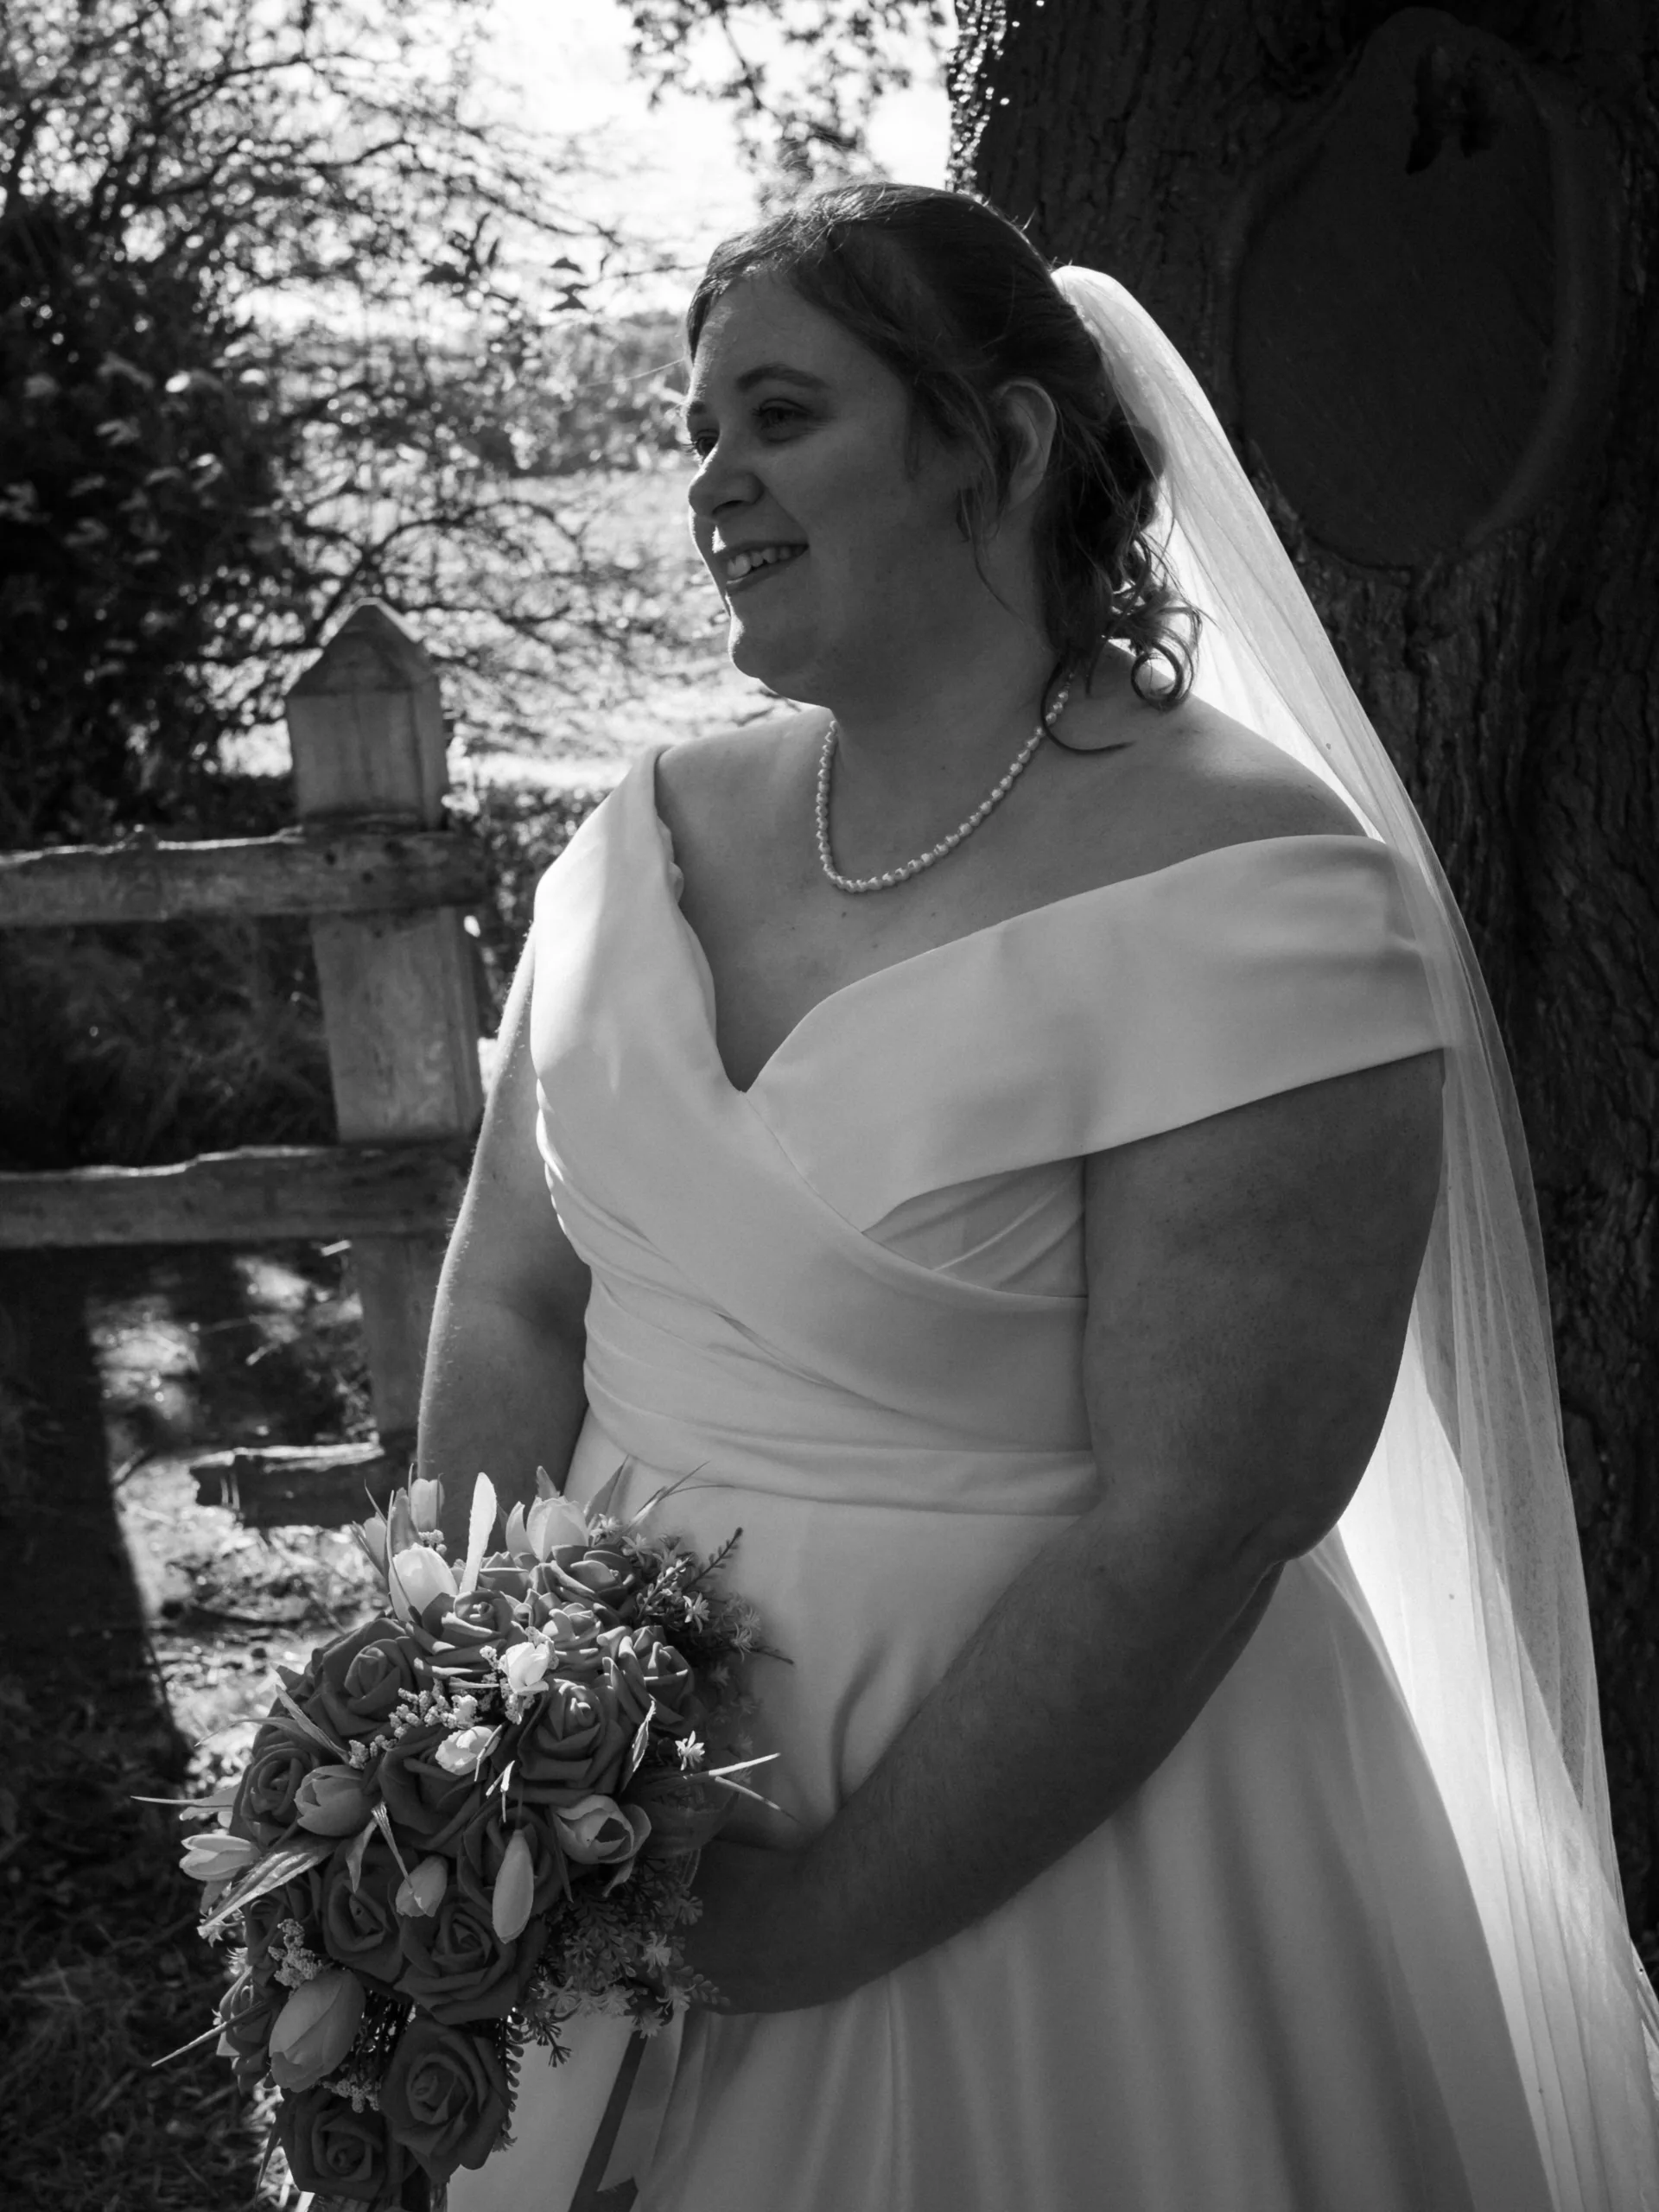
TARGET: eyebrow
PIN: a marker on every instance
(768, 373)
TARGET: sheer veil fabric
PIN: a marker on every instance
(1462, 1532)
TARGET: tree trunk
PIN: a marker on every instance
(1406, 251)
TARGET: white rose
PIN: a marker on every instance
(467, 1750)
(525, 1668)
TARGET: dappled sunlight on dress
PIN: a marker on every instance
(846, 1307)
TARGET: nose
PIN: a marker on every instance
(723, 480)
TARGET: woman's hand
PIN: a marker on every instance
(758, 1941)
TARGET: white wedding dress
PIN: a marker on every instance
(847, 1306)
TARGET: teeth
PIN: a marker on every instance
(759, 557)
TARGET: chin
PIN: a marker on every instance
(768, 661)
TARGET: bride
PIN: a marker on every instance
(1027, 1141)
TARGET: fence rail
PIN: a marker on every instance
(382, 883)
(299, 871)
(264, 1194)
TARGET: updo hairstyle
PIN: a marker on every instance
(957, 302)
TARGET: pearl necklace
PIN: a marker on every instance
(855, 886)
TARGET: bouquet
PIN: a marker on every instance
(466, 1822)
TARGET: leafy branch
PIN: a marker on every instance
(287, 313)
(801, 79)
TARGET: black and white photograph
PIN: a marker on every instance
(828, 1083)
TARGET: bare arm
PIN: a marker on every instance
(1250, 1279)
(503, 1383)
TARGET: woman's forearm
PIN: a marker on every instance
(1078, 1684)
(503, 1396)
(1083, 1677)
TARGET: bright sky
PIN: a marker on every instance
(673, 170)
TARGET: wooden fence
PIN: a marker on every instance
(383, 884)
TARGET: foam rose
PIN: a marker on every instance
(574, 1741)
(456, 1968)
(481, 1851)
(667, 1678)
(428, 1803)
(339, 2152)
(282, 1759)
(625, 1670)
(444, 2097)
(247, 2013)
(573, 1630)
(594, 1574)
(483, 1616)
(298, 1900)
(354, 1684)
(359, 1925)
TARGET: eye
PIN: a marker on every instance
(773, 418)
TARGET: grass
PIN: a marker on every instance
(102, 1971)
(100, 1963)
(104, 1974)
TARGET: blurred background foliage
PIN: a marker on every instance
(801, 79)
(292, 313)
(287, 316)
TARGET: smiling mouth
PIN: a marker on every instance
(745, 569)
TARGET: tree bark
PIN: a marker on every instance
(1509, 660)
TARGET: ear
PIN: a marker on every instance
(1028, 416)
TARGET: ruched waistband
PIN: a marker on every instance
(786, 1460)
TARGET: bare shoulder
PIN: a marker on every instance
(731, 776)
(1227, 784)
(1148, 787)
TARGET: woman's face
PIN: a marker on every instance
(831, 534)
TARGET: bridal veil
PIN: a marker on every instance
(1462, 1532)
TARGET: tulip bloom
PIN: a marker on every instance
(515, 1889)
(332, 1801)
(598, 1832)
(553, 1521)
(416, 1575)
(315, 2029)
(369, 1537)
(425, 1502)
(214, 1856)
(517, 1537)
(420, 1893)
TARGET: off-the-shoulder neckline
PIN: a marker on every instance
(644, 768)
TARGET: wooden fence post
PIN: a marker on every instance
(399, 1004)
